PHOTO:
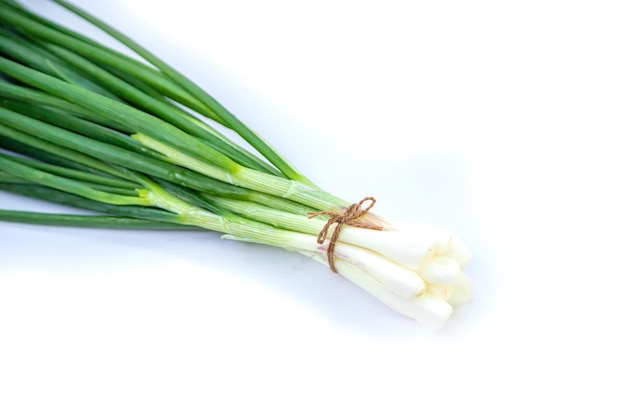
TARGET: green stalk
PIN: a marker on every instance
(46, 148)
(277, 218)
(37, 154)
(76, 174)
(222, 221)
(276, 203)
(46, 151)
(161, 109)
(69, 142)
(11, 179)
(88, 221)
(60, 197)
(31, 54)
(248, 178)
(65, 184)
(80, 126)
(30, 97)
(40, 27)
(230, 120)
(171, 136)
(132, 118)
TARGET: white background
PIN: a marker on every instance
(501, 121)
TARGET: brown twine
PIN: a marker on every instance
(349, 217)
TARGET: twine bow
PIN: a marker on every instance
(349, 217)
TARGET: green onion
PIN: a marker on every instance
(140, 146)
(88, 221)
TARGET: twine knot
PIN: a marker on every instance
(350, 217)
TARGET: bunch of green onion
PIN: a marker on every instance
(141, 146)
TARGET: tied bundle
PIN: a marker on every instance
(141, 146)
